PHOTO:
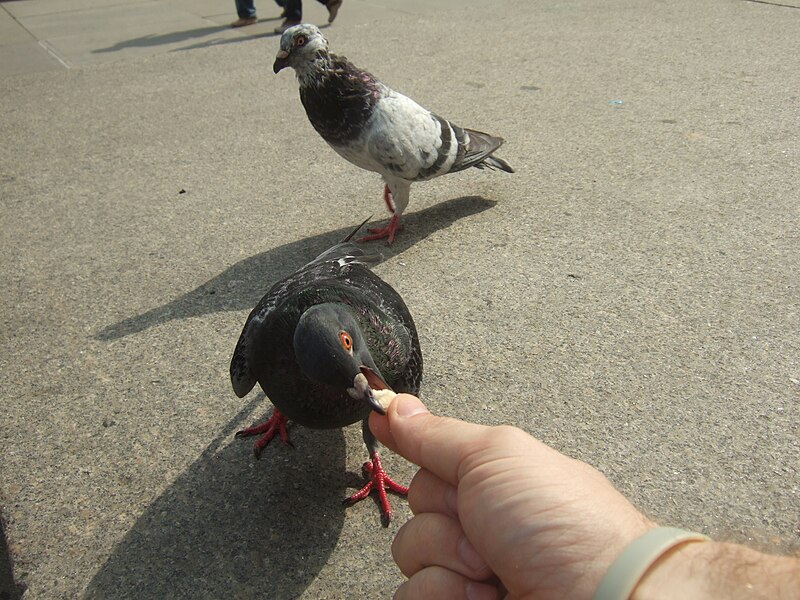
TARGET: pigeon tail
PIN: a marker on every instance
(495, 163)
(482, 143)
(355, 231)
(481, 147)
(477, 150)
(347, 252)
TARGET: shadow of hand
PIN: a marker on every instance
(231, 526)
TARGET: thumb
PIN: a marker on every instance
(440, 444)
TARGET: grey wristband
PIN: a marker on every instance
(629, 568)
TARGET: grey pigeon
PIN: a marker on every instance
(377, 128)
(319, 343)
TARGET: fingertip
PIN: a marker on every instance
(404, 406)
(401, 593)
(437, 443)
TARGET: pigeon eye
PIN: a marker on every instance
(300, 41)
(347, 341)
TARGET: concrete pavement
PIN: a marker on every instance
(630, 295)
(44, 35)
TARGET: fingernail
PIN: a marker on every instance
(481, 591)
(408, 406)
(470, 556)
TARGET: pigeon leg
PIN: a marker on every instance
(385, 232)
(388, 198)
(275, 424)
(378, 480)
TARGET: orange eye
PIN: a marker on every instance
(347, 341)
(300, 41)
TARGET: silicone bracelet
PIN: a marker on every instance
(629, 568)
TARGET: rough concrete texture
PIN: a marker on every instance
(631, 295)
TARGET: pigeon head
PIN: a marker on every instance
(301, 46)
(330, 349)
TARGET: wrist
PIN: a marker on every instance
(719, 570)
(639, 557)
(672, 575)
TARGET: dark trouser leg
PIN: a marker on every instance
(245, 9)
(293, 10)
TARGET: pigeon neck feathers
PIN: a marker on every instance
(338, 97)
(313, 71)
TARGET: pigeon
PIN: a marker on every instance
(377, 128)
(322, 344)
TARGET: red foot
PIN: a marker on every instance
(388, 198)
(379, 481)
(275, 424)
(386, 232)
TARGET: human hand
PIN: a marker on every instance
(497, 512)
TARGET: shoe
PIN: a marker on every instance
(333, 7)
(286, 24)
(245, 21)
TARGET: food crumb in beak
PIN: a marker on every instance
(361, 390)
(384, 397)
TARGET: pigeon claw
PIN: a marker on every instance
(276, 424)
(380, 481)
(385, 232)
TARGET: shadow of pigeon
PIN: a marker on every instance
(173, 37)
(243, 284)
(231, 528)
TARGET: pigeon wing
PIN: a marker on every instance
(409, 142)
(406, 141)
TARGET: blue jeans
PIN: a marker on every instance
(247, 8)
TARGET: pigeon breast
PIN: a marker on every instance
(340, 104)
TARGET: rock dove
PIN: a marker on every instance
(377, 128)
(319, 343)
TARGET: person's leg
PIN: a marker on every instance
(293, 10)
(333, 7)
(246, 9)
(292, 14)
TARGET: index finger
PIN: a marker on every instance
(439, 444)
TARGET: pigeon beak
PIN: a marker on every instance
(375, 404)
(281, 61)
(365, 384)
